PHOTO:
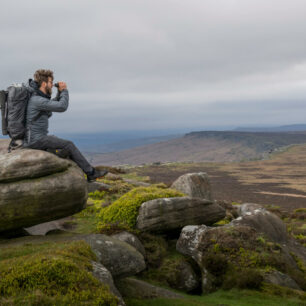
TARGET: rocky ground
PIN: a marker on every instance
(138, 243)
(240, 182)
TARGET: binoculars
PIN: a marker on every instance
(56, 85)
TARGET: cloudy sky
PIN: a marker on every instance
(162, 64)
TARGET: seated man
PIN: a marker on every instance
(40, 108)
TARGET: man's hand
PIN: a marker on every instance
(62, 86)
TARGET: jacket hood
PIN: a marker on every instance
(32, 86)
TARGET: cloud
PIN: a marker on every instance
(134, 64)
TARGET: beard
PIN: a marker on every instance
(49, 91)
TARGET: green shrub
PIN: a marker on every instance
(125, 209)
(97, 195)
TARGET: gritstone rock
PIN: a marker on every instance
(36, 187)
(263, 221)
(132, 240)
(195, 185)
(255, 233)
(120, 258)
(167, 214)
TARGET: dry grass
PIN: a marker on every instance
(287, 169)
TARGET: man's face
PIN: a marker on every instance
(49, 86)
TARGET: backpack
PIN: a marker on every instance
(13, 104)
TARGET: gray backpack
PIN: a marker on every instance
(13, 104)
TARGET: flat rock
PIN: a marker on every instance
(136, 183)
(195, 185)
(97, 186)
(43, 228)
(36, 187)
(167, 214)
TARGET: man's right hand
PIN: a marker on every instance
(62, 86)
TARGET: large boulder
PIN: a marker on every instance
(36, 187)
(263, 221)
(195, 185)
(120, 258)
(238, 254)
(168, 214)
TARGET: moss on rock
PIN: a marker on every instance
(238, 257)
(125, 209)
(55, 275)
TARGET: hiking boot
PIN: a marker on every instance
(96, 174)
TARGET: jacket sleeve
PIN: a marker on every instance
(61, 105)
(57, 98)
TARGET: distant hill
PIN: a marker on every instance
(117, 141)
(210, 146)
(283, 128)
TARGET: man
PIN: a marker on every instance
(40, 108)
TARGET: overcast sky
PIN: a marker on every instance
(162, 64)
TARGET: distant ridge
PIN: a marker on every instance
(283, 128)
(205, 146)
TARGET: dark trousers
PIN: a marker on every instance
(53, 143)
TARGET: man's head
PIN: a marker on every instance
(44, 79)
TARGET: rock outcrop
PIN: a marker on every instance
(241, 251)
(195, 185)
(167, 214)
(36, 187)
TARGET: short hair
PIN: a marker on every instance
(42, 75)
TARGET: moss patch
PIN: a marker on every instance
(51, 274)
(125, 209)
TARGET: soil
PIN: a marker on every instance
(227, 187)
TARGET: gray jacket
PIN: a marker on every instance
(44, 106)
